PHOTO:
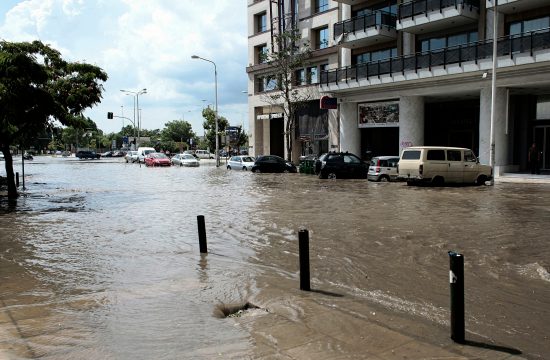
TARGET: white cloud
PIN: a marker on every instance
(147, 44)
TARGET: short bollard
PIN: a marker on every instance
(303, 243)
(16, 179)
(456, 279)
(202, 234)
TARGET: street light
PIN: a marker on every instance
(136, 95)
(216, 105)
(493, 94)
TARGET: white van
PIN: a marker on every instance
(439, 165)
(142, 153)
(204, 154)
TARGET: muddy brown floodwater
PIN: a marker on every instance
(100, 259)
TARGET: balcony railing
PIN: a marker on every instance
(422, 7)
(508, 45)
(363, 22)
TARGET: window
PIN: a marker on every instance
(261, 22)
(448, 41)
(350, 159)
(411, 155)
(524, 26)
(311, 75)
(436, 155)
(375, 56)
(454, 155)
(300, 77)
(262, 53)
(323, 67)
(321, 38)
(384, 7)
(321, 5)
(469, 156)
(266, 83)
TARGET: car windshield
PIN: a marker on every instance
(188, 157)
(248, 159)
(159, 155)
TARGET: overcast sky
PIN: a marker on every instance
(146, 44)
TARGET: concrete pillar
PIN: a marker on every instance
(333, 130)
(411, 121)
(500, 130)
(266, 140)
(350, 135)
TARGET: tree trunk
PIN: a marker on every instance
(12, 190)
(289, 134)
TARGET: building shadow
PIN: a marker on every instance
(327, 293)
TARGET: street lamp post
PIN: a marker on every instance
(136, 95)
(216, 105)
(493, 93)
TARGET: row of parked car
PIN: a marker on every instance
(421, 164)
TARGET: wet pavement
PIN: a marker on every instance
(100, 259)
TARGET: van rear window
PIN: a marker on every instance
(411, 155)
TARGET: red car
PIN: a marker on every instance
(157, 159)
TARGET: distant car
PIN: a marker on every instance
(240, 162)
(335, 165)
(383, 168)
(203, 154)
(273, 164)
(131, 156)
(107, 154)
(157, 159)
(84, 154)
(185, 160)
(119, 153)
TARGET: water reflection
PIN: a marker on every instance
(101, 259)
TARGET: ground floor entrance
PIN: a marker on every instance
(276, 137)
(379, 141)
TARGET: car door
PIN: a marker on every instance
(470, 166)
(352, 166)
(456, 167)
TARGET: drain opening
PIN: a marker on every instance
(233, 310)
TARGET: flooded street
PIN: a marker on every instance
(101, 259)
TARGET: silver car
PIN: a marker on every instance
(240, 162)
(383, 168)
(185, 160)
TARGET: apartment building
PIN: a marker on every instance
(420, 73)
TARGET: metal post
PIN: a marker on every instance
(456, 279)
(16, 179)
(303, 244)
(202, 234)
(493, 93)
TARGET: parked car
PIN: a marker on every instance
(27, 156)
(142, 153)
(204, 154)
(184, 160)
(334, 165)
(383, 168)
(440, 165)
(240, 162)
(85, 154)
(107, 154)
(119, 153)
(273, 164)
(131, 156)
(157, 159)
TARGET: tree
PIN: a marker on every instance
(177, 131)
(209, 126)
(38, 87)
(289, 54)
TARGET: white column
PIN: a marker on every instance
(411, 121)
(350, 135)
(501, 136)
(266, 140)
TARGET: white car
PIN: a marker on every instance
(185, 160)
(131, 156)
(383, 168)
(240, 162)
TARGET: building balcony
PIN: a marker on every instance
(366, 30)
(515, 6)
(420, 16)
(352, 2)
(527, 48)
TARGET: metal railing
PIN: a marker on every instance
(363, 22)
(422, 7)
(507, 45)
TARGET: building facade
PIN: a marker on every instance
(420, 73)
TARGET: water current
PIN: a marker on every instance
(100, 259)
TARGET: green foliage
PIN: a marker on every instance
(209, 126)
(177, 131)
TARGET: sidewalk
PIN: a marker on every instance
(524, 178)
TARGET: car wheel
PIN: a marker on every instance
(384, 178)
(481, 180)
(228, 167)
(438, 181)
(244, 168)
(285, 171)
(331, 175)
(257, 171)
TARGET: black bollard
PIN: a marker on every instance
(16, 179)
(456, 279)
(202, 234)
(303, 243)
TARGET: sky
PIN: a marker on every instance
(146, 44)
